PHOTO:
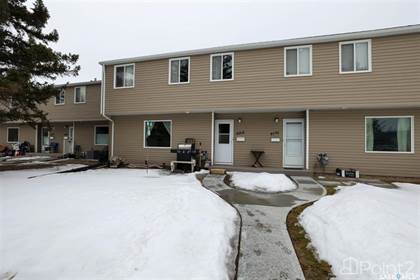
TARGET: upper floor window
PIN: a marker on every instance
(389, 134)
(179, 70)
(355, 56)
(59, 98)
(221, 67)
(12, 134)
(124, 76)
(79, 95)
(298, 61)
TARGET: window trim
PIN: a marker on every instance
(13, 127)
(233, 66)
(74, 99)
(297, 65)
(94, 135)
(369, 41)
(390, 117)
(179, 69)
(64, 99)
(115, 75)
(144, 135)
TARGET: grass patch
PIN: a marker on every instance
(313, 269)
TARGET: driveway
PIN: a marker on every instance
(266, 251)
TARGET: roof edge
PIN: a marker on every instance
(87, 83)
(390, 31)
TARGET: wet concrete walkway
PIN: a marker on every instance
(266, 251)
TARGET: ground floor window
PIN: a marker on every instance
(157, 134)
(101, 135)
(389, 134)
(13, 134)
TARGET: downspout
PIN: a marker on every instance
(307, 139)
(103, 111)
(212, 138)
(36, 138)
(73, 137)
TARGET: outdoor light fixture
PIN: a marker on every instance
(239, 120)
(276, 119)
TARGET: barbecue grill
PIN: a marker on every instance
(185, 153)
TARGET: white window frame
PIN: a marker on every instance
(179, 70)
(94, 135)
(115, 75)
(13, 142)
(369, 41)
(84, 91)
(64, 98)
(144, 135)
(233, 66)
(297, 56)
(390, 152)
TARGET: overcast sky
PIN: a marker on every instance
(103, 30)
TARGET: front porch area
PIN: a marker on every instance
(261, 141)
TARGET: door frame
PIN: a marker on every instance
(285, 121)
(216, 133)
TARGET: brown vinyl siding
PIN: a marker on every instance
(260, 83)
(77, 112)
(83, 134)
(129, 136)
(257, 128)
(341, 134)
(26, 133)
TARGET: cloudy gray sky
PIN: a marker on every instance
(103, 30)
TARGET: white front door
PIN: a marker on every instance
(293, 143)
(68, 143)
(223, 142)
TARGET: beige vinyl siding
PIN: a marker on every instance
(129, 136)
(26, 133)
(84, 135)
(341, 134)
(257, 128)
(260, 83)
(71, 111)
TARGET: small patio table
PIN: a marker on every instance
(257, 155)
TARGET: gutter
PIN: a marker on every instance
(103, 111)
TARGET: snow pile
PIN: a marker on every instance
(262, 182)
(28, 158)
(367, 232)
(112, 224)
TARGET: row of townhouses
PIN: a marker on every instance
(354, 96)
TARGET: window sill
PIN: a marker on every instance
(355, 72)
(174, 84)
(222, 80)
(297, 76)
(385, 152)
(123, 87)
(144, 147)
(79, 102)
(61, 104)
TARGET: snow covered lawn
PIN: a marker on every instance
(112, 224)
(366, 232)
(262, 182)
